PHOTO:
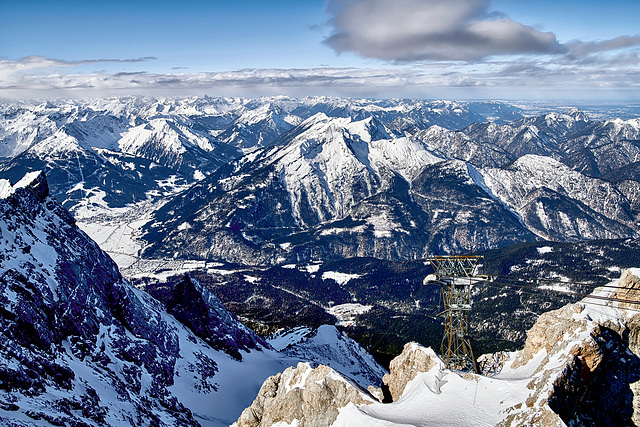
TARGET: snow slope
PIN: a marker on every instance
(568, 351)
(328, 346)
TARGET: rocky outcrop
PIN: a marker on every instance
(197, 308)
(634, 346)
(629, 288)
(307, 396)
(329, 346)
(65, 304)
(595, 386)
(584, 363)
(413, 360)
(547, 332)
(303, 396)
(579, 366)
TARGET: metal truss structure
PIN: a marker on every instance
(456, 275)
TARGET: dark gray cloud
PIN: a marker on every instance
(602, 60)
(523, 68)
(459, 30)
(129, 73)
(423, 30)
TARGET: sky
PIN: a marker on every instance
(453, 49)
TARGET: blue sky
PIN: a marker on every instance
(535, 49)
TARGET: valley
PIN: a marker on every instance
(262, 198)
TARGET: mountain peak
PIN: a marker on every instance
(316, 118)
(577, 114)
(369, 129)
(35, 181)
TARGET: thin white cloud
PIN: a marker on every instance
(579, 48)
(11, 69)
(497, 80)
(424, 30)
(35, 62)
(39, 71)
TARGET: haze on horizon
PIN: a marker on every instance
(454, 49)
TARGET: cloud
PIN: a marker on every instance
(500, 80)
(426, 30)
(454, 30)
(580, 48)
(129, 73)
(529, 78)
(395, 81)
(25, 71)
(523, 68)
(40, 62)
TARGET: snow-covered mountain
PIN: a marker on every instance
(176, 144)
(337, 188)
(22, 126)
(327, 178)
(81, 346)
(104, 149)
(316, 179)
(340, 187)
(106, 158)
(259, 127)
(559, 203)
(593, 148)
(79, 343)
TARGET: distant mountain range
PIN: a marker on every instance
(277, 180)
(337, 187)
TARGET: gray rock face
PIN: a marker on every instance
(629, 289)
(591, 368)
(195, 307)
(63, 300)
(595, 388)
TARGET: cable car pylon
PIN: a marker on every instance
(456, 274)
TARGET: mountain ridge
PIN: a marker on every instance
(326, 171)
(332, 177)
